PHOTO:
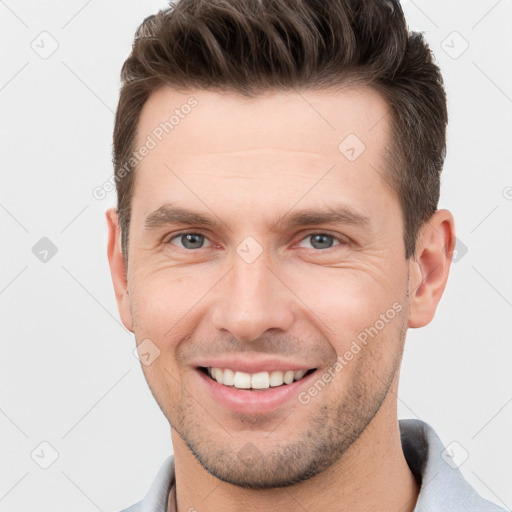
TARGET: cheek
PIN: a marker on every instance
(342, 302)
(360, 312)
(163, 299)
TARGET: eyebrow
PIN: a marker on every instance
(168, 214)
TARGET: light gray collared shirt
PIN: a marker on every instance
(443, 488)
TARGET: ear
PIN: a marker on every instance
(118, 268)
(430, 266)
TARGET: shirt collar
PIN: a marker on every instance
(443, 487)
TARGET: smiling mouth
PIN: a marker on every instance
(256, 381)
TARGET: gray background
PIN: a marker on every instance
(68, 374)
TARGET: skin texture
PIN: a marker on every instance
(248, 163)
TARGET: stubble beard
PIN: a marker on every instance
(331, 429)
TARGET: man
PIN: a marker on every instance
(277, 167)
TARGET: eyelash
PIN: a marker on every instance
(340, 240)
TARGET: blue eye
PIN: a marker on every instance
(189, 240)
(321, 240)
(192, 241)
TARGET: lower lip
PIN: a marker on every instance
(253, 401)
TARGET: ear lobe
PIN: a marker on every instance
(429, 268)
(118, 268)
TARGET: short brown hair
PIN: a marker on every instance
(251, 46)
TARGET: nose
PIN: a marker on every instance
(251, 300)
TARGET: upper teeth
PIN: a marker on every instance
(260, 380)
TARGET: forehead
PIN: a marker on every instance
(271, 147)
(220, 122)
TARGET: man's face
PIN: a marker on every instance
(267, 285)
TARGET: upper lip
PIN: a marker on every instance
(253, 365)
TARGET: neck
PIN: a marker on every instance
(372, 475)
